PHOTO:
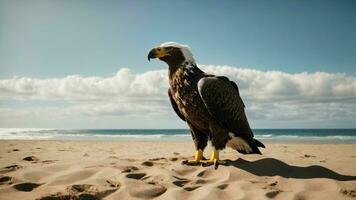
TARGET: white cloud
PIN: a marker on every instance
(123, 85)
(269, 95)
(272, 85)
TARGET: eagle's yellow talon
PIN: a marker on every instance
(197, 159)
(191, 162)
(207, 162)
(212, 162)
(214, 159)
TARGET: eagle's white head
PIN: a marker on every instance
(172, 53)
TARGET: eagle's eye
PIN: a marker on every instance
(158, 49)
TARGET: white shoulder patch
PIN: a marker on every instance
(238, 143)
(184, 48)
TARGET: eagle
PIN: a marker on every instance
(210, 105)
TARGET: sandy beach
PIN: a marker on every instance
(50, 170)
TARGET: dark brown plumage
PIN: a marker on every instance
(211, 105)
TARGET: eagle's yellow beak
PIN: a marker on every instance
(158, 52)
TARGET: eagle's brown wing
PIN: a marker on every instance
(222, 100)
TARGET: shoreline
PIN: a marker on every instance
(305, 140)
(317, 136)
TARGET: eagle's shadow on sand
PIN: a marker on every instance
(275, 167)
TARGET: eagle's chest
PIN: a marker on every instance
(184, 88)
(183, 85)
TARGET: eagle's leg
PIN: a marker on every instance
(214, 159)
(198, 157)
(200, 141)
(219, 137)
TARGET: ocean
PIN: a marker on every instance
(265, 135)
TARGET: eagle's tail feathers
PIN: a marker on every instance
(259, 144)
(254, 148)
(244, 145)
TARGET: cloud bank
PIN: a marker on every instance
(269, 95)
(123, 85)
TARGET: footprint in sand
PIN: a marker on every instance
(58, 196)
(49, 161)
(156, 159)
(210, 173)
(200, 181)
(26, 187)
(147, 163)
(275, 191)
(308, 156)
(183, 182)
(274, 183)
(201, 174)
(173, 159)
(82, 192)
(271, 185)
(191, 188)
(272, 194)
(129, 169)
(350, 193)
(80, 188)
(113, 184)
(5, 180)
(135, 175)
(31, 158)
(223, 186)
(10, 168)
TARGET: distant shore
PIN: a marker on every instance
(62, 169)
(317, 136)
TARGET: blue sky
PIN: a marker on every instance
(56, 39)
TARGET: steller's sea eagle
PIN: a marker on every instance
(211, 105)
